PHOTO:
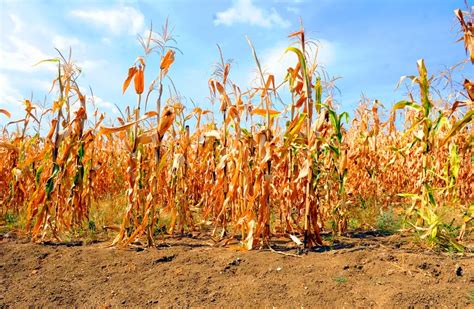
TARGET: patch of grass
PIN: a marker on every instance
(108, 211)
(11, 221)
(447, 229)
(332, 225)
(471, 296)
(162, 224)
(388, 222)
(364, 215)
(92, 227)
(354, 224)
(340, 279)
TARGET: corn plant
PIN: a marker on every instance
(240, 173)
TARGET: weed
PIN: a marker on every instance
(10, 219)
(471, 296)
(388, 222)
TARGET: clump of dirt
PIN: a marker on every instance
(369, 271)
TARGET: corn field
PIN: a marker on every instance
(249, 171)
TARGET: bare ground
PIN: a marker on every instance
(363, 270)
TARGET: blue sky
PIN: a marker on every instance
(370, 44)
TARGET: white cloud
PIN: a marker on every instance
(25, 44)
(244, 11)
(8, 94)
(17, 23)
(293, 9)
(98, 103)
(326, 52)
(43, 86)
(118, 20)
(102, 105)
(290, 1)
(106, 41)
(24, 48)
(19, 55)
(90, 66)
(10, 97)
(63, 42)
(275, 61)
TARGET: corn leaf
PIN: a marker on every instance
(458, 126)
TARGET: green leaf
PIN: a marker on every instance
(345, 115)
(439, 122)
(302, 60)
(424, 84)
(454, 161)
(434, 232)
(334, 149)
(293, 131)
(431, 198)
(246, 132)
(318, 91)
(405, 104)
(458, 126)
(409, 195)
(38, 175)
(81, 151)
(50, 182)
(47, 60)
